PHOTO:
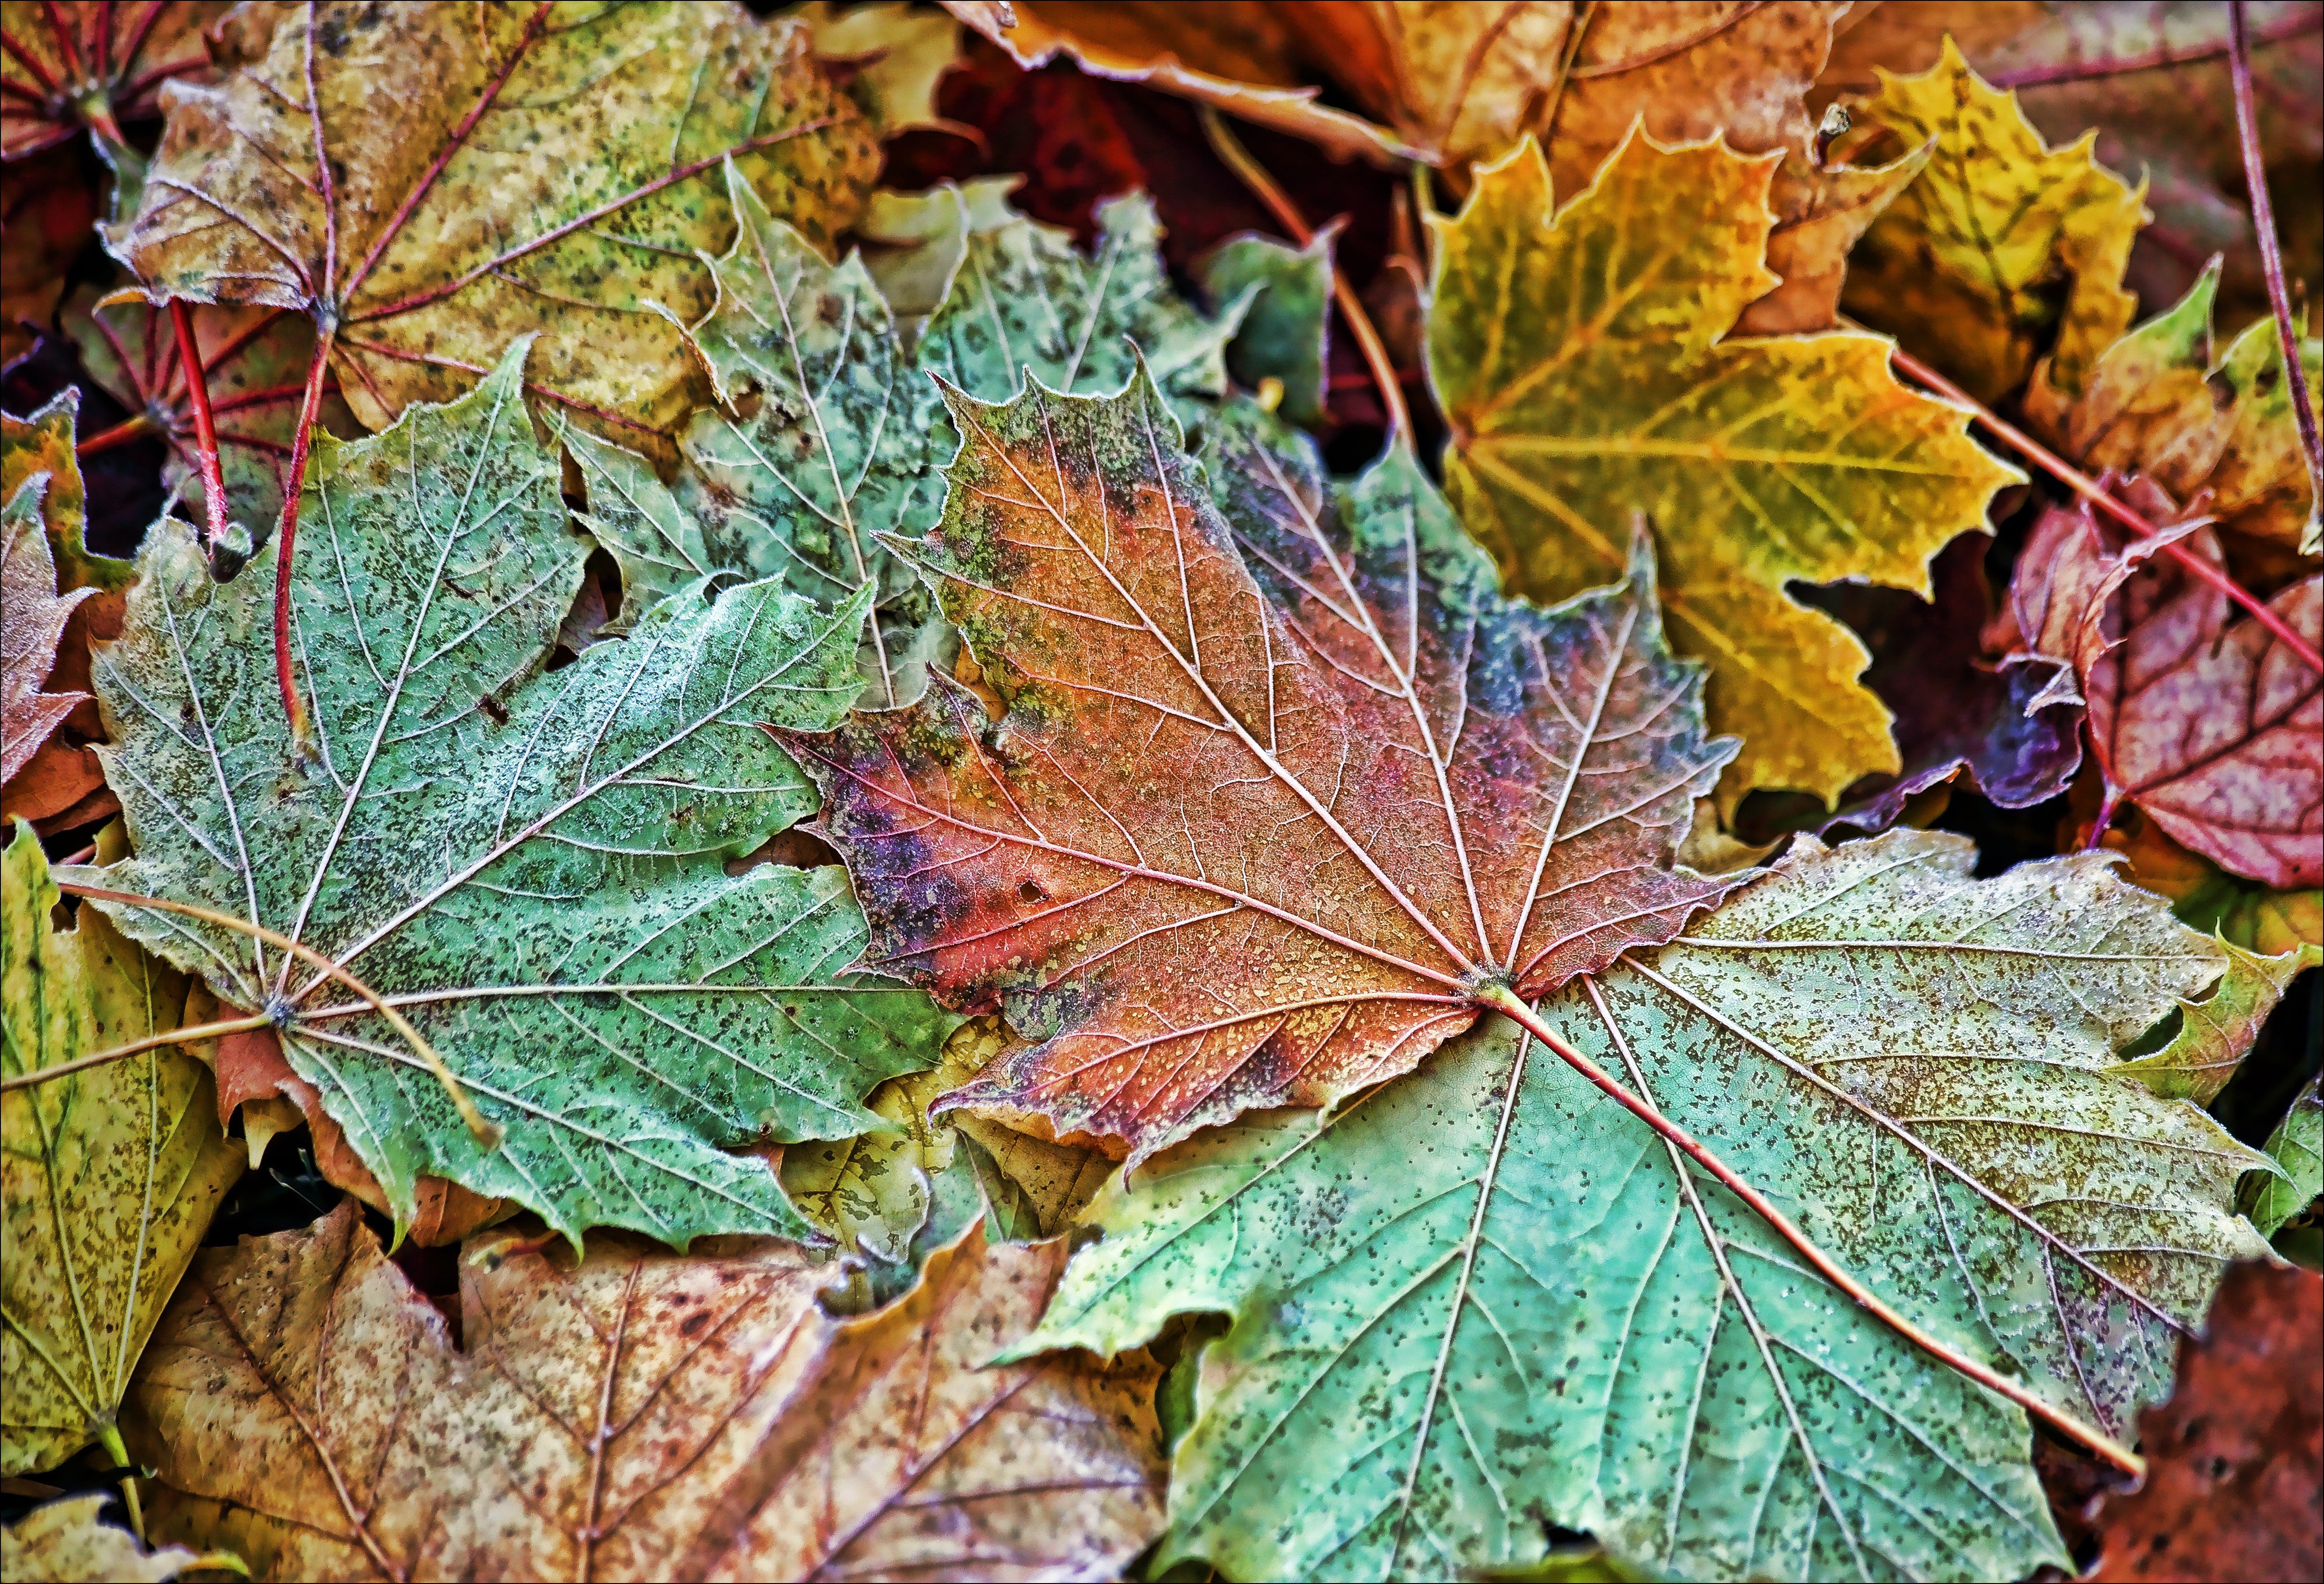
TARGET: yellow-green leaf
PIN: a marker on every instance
(1581, 364)
(1967, 266)
(110, 1176)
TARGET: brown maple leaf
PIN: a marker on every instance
(1284, 783)
(645, 1416)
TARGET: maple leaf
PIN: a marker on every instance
(844, 430)
(111, 1173)
(429, 185)
(1964, 266)
(532, 864)
(46, 211)
(84, 63)
(2162, 403)
(2237, 1454)
(1539, 1314)
(1280, 777)
(639, 1416)
(2201, 893)
(1578, 358)
(48, 443)
(2297, 1147)
(33, 620)
(66, 1542)
(254, 361)
(2209, 725)
(2214, 1033)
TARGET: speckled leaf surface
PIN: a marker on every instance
(1580, 359)
(1280, 770)
(1965, 266)
(109, 1176)
(47, 442)
(431, 183)
(2215, 1033)
(637, 1416)
(33, 620)
(2297, 1147)
(534, 862)
(1484, 1298)
(829, 432)
(67, 1543)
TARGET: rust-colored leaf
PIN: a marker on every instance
(33, 617)
(1283, 777)
(645, 1416)
(2234, 1480)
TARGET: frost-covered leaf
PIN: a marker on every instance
(2214, 1033)
(533, 863)
(1281, 776)
(1286, 334)
(67, 1543)
(1582, 363)
(1483, 1299)
(32, 620)
(111, 1173)
(637, 1415)
(429, 183)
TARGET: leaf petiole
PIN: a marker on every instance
(191, 1034)
(1501, 998)
(205, 452)
(286, 534)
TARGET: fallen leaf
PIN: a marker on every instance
(47, 442)
(1821, 212)
(31, 623)
(1538, 1315)
(1285, 335)
(491, 176)
(1477, 788)
(2235, 1480)
(46, 212)
(89, 63)
(2297, 1147)
(111, 1173)
(2162, 404)
(254, 363)
(830, 431)
(2214, 1033)
(65, 1542)
(2204, 896)
(2005, 258)
(1233, 56)
(640, 1415)
(894, 54)
(534, 863)
(1958, 712)
(1580, 363)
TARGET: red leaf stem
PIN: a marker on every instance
(205, 451)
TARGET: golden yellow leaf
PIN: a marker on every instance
(1581, 364)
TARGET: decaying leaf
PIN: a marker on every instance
(2297, 1147)
(2235, 1482)
(1280, 776)
(2004, 253)
(90, 63)
(640, 1415)
(111, 1173)
(429, 183)
(2163, 404)
(830, 431)
(254, 361)
(65, 1542)
(1580, 363)
(32, 620)
(1538, 1314)
(2214, 1033)
(533, 863)
(46, 443)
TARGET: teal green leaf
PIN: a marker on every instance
(829, 432)
(2297, 1147)
(1285, 335)
(1485, 1299)
(534, 863)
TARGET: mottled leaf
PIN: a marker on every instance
(32, 619)
(111, 1173)
(639, 1416)
(66, 1542)
(1483, 1299)
(2201, 893)
(1280, 776)
(429, 184)
(2214, 1033)
(534, 864)
(1286, 332)
(2297, 1147)
(2005, 254)
(1580, 361)
(47, 443)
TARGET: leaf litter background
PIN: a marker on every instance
(1201, 771)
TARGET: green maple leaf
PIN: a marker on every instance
(1484, 1298)
(830, 430)
(533, 865)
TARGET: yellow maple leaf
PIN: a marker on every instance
(1580, 363)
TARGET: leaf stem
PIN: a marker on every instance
(485, 1132)
(120, 434)
(1501, 998)
(1254, 176)
(2082, 484)
(187, 1035)
(2271, 255)
(286, 535)
(206, 452)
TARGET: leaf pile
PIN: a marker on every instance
(1565, 826)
